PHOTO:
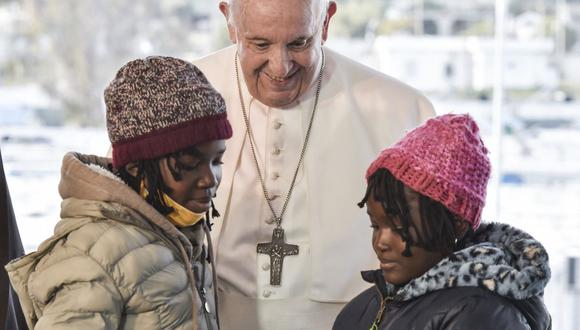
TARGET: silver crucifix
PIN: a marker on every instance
(277, 249)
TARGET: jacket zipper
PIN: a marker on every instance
(202, 293)
(379, 317)
(205, 307)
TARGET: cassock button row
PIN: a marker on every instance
(266, 293)
(265, 266)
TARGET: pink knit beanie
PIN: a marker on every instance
(444, 159)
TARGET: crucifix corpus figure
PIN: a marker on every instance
(277, 249)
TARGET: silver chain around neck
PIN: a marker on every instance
(278, 218)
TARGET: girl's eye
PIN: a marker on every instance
(187, 166)
(395, 221)
(395, 226)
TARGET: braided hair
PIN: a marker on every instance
(149, 171)
(437, 224)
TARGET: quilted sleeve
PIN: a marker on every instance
(76, 293)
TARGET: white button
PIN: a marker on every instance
(270, 220)
(266, 293)
(277, 151)
(273, 197)
(275, 176)
(266, 266)
(277, 125)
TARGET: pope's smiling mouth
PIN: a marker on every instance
(284, 79)
(279, 91)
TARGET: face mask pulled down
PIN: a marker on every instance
(180, 216)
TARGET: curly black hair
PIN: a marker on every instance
(437, 234)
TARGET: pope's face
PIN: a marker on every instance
(279, 45)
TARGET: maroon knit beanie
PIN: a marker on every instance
(159, 105)
(444, 159)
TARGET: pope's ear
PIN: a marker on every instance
(330, 11)
(228, 12)
(132, 169)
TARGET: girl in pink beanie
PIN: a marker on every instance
(440, 268)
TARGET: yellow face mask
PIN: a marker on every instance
(180, 216)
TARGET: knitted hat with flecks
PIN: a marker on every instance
(444, 159)
(159, 105)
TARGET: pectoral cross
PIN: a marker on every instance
(277, 249)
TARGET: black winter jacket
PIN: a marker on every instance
(495, 282)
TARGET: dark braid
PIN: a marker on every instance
(150, 171)
(437, 232)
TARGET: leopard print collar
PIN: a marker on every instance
(499, 258)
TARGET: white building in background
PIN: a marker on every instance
(444, 64)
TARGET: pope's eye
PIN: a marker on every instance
(298, 44)
(262, 45)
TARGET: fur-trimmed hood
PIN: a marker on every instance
(499, 258)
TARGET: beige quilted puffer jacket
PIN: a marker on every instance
(114, 262)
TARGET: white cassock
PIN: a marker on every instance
(360, 112)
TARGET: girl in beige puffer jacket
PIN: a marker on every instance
(129, 251)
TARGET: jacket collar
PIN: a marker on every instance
(376, 277)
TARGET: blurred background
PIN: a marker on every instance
(513, 65)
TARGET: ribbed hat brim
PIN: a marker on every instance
(171, 139)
